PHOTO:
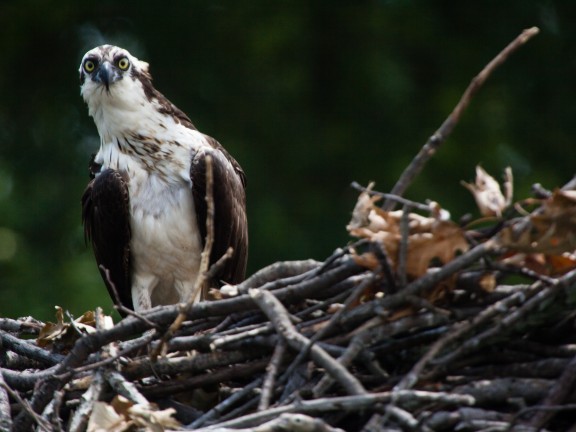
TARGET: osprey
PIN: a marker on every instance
(145, 208)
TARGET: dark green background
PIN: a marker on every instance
(308, 96)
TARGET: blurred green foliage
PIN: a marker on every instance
(307, 95)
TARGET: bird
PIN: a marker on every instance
(145, 207)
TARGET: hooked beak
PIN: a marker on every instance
(107, 74)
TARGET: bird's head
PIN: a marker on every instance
(118, 90)
(109, 70)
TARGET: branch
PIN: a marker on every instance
(276, 313)
(286, 422)
(28, 350)
(353, 403)
(5, 417)
(446, 128)
(271, 373)
(557, 395)
(278, 275)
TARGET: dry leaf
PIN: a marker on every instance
(560, 264)
(367, 260)
(548, 265)
(443, 241)
(429, 238)
(487, 193)
(362, 209)
(64, 333)
(152, 419)
(551, 230)
(52, 331)
(121, 405)
(122, 414)
(104, 418)
(488, 282)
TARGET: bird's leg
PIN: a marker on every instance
(142, 287)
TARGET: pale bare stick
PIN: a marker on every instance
(271, 373)
(205, 257)
(434, 142)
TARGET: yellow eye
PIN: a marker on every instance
(89, 66)
(124, 63)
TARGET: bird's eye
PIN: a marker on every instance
(123, 63)
(89, 66)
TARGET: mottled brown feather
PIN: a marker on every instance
(106, 218)
(166, 107)
(230, 222)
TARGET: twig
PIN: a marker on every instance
(117, 302)
(42, 424)
(403, 248)
(546, 409)
(458, 331)
(557, 394)
(522, 271)
(375, 307)
(275, 311)
(144, 366)
(26, 325)
(270, 378)
(24, 381)
(209, 241)
(386, 265)
(278, 275)
(357, 344)
(218, 265)
(212, 377)
(286, 422)
(56, 406)
(27, 349)
(446, 128)
(248, 406)
(79, 420)
(334, 320)
(394, 198)
(539, 295)
(404, 418)
(524, 223)
(501, 391)
(219, 409)
(375, 424)
(134, 344)
(353, 403)
(124, 387)
(5, 417)
(253, 331)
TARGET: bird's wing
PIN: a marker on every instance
(230, 223)
(106, 218)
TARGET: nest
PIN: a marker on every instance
(421, 323)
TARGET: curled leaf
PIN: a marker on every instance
(486, 191)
